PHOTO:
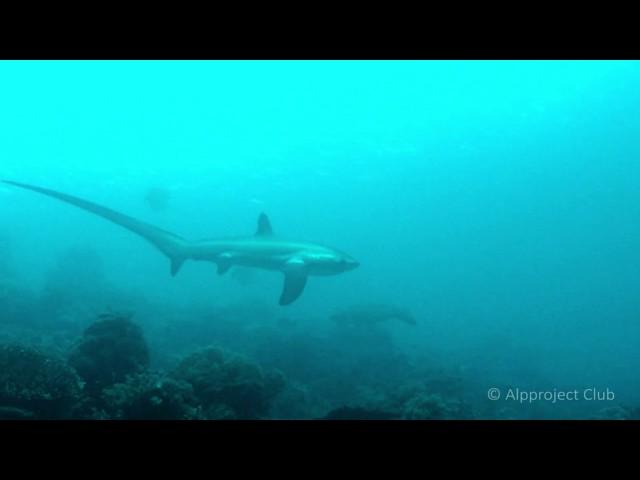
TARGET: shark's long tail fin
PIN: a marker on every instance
(175, 247)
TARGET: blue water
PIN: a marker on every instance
(498, 201)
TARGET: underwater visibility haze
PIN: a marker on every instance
(376, 240)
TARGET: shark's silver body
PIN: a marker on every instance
(264, 250)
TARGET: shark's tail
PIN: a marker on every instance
(173, 246)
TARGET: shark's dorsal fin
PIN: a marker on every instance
(264, 226)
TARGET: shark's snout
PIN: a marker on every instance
(351, 263)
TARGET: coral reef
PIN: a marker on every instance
(151, 396)
(35, 385)
(110, 349)
(432, 406)
(229, 385)
(13, 413)
(298, 401)
(437, 398)
(354, 367)
(359, 413)
(619, 412)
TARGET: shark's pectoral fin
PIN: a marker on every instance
(176, 264)
(223, 267)
(224, 262)
(295, 278)
(293, 287)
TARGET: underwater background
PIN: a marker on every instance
(493, 206)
